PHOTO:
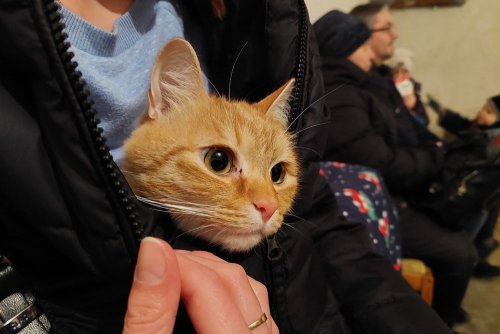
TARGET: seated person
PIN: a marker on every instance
(364, 130)
(401, 64)
(487, 119)
(379, 19)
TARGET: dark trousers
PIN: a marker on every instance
(450, 255)
(487, 231)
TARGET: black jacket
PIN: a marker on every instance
(369, 126)
(71, 226)
(455, 123)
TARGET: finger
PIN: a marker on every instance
(260, 291)
(210, 305)
(275, 329)
(248, 294)
(202, 254)
(155, 293)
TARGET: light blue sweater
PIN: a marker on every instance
(117, 65)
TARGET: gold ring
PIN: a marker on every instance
(262, 319)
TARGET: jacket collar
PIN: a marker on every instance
(343, 71)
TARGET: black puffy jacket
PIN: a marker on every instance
(369, 127)
(71, 226)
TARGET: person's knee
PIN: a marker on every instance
(464, 255)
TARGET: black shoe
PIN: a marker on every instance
(462, 316)
(483, 269)
(486, 247)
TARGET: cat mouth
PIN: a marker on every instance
(252, 232)
(241, 241)
(256, 230)
(236, 235)
(263, 230)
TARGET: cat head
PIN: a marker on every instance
(226, 170)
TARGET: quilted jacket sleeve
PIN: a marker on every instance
(362, 132)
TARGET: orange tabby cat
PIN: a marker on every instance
(225, 170)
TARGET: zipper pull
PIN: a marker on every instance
(274, 251)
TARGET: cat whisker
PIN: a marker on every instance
(222, 215)
(254, 88)
(183, 202)
(152, 203)
(190, 213)
(314, 102)
(229, 216)
(159, 210)
(294, 228)
(194, 204)
(178, 209)
(232, 218)
(172, 210)
(312, 126)
(281, 232)
(196, 229)
(221, 231)
(165, 203)
(308, 148)
(207, 212)
(232, 70)
(300, 218)
(213, 86)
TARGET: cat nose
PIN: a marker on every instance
(267, 207)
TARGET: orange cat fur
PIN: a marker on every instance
(225, 170)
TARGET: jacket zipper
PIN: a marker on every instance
(270, 247)
(300, 66)
(274, 270)
(111, 171)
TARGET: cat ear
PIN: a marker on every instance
(176, 78)
(276, 104)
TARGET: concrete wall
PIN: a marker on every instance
(456, 49)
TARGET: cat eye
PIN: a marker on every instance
(278, 173)
(218, 160)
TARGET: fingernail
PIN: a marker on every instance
(182, 251)
(151, 263)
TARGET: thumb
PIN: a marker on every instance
(154, 297)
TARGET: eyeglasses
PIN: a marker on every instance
(389, 29)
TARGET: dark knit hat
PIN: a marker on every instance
(339, 34)
(495, 104)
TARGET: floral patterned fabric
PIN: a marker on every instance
(361, 195)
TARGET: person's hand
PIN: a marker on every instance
(410, 101)
(219, 296)
(435, 106)
(235, 300)
(155, 294)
